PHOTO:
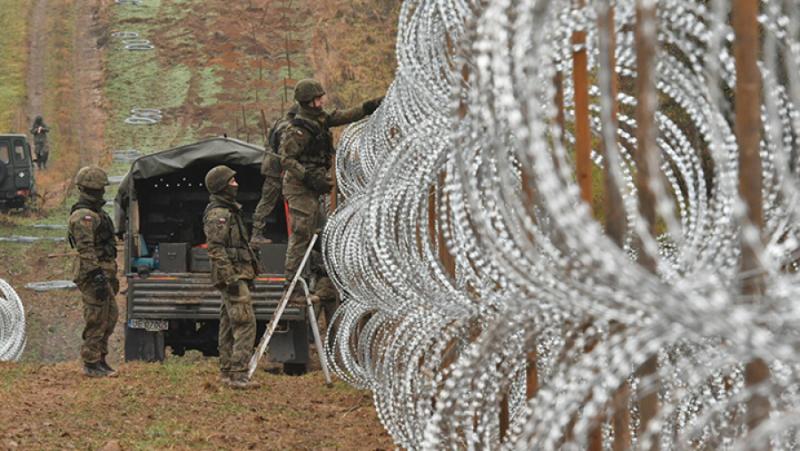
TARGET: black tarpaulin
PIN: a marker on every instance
(210, 151)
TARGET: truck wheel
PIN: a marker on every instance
(295, 369)
(144, 345)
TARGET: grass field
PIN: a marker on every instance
(13, 62)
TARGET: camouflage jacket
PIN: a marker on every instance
(231, 257)
(307, 143)
(91, 233)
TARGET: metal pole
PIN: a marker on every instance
(315, 330)
(273, 324)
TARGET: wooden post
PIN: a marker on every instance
(748, 135)
(583, 139)
(647, 167)
(265, 127)
(244, 124)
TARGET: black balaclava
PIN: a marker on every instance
(93, 197)
(230, 192)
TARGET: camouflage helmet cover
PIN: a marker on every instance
(307, 90)
(91, 177)
(218, 177)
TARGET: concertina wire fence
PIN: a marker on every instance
(486, 305)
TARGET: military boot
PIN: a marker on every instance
(94, 370)
(111, 372)
(239, 381)
(259, 238)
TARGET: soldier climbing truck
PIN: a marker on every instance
(170, 300)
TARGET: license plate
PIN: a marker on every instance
(151, 325)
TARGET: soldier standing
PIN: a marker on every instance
(91, 233)
(307, 150)
(233, 268)
(39, 131)
(271, 168)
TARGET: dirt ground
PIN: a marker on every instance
(179, 405)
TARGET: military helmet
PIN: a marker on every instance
(91, 177)
(307, 90)
(218, 177)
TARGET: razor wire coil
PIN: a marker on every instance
(12, 323)
(470, 153)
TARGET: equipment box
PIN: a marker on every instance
(199, 261)
(172, 257)
(272, 258)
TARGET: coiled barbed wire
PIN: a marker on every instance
(542, 319)
(12, 323)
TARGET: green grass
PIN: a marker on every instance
(13, 61)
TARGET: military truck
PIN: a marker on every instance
(17, 184)
(170, 300)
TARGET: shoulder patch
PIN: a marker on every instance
(223, 220)
(87, 218)
(298, 132)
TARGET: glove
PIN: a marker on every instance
(370, 106)
(319, 184)
(102, 289)
(232, 289)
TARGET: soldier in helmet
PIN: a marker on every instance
(233, 269)
(307, 150)
(272, 169)
(91, 234)
(39, 131)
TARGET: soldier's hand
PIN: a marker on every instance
(102, 288)
(232, 289)
(371, 105)
(318, 182)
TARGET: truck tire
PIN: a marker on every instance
(144, 345)
(295, 369)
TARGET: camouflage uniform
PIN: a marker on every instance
(271, 168)
(39, 131)
(233, 268)
(91, 233)
(307, 149)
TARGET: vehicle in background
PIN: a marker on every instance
(170, 300)
(17, 183)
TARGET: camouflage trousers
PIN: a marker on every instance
(270, 193)
(237, 330)
(100, 316)
(42, 152)
(328, 299)
(304, 208)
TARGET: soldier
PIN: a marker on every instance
(233, 268)
(91, 233)
(39, 131)
(307, 149)
(271, 169)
